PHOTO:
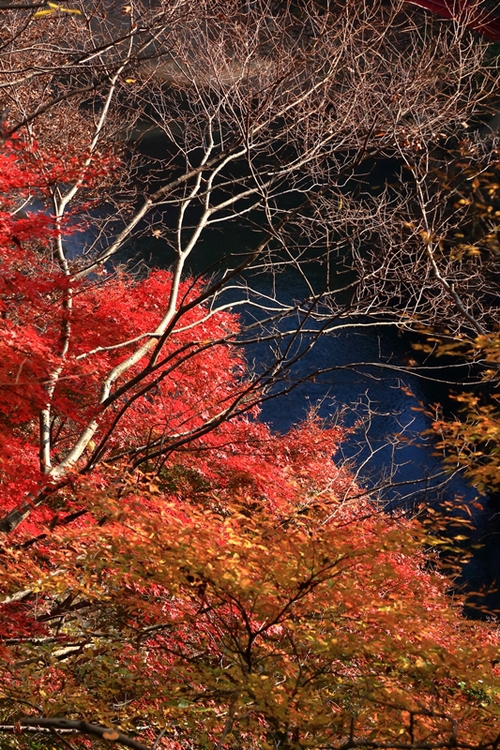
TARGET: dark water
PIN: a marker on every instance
(389, 404)
(363, 381)
(389, 452)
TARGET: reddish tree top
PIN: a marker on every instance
(470, 13)
(238, 591)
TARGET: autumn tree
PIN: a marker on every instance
(251, 603)
(172, 573)
(475, 15)
(240, 590)
(469, 437)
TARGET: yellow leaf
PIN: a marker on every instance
(130, 80)
(40, 13)
(52, 9)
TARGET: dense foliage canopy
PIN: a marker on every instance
(240, 589)
(174, 574)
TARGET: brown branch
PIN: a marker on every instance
(28, 6)
(79, 727)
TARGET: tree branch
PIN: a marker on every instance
(77, 727)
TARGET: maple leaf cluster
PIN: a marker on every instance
(242, 591)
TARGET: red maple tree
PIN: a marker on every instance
(471, 13)
(235, 589)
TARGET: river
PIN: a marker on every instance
(389, 452)
(365, 382)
